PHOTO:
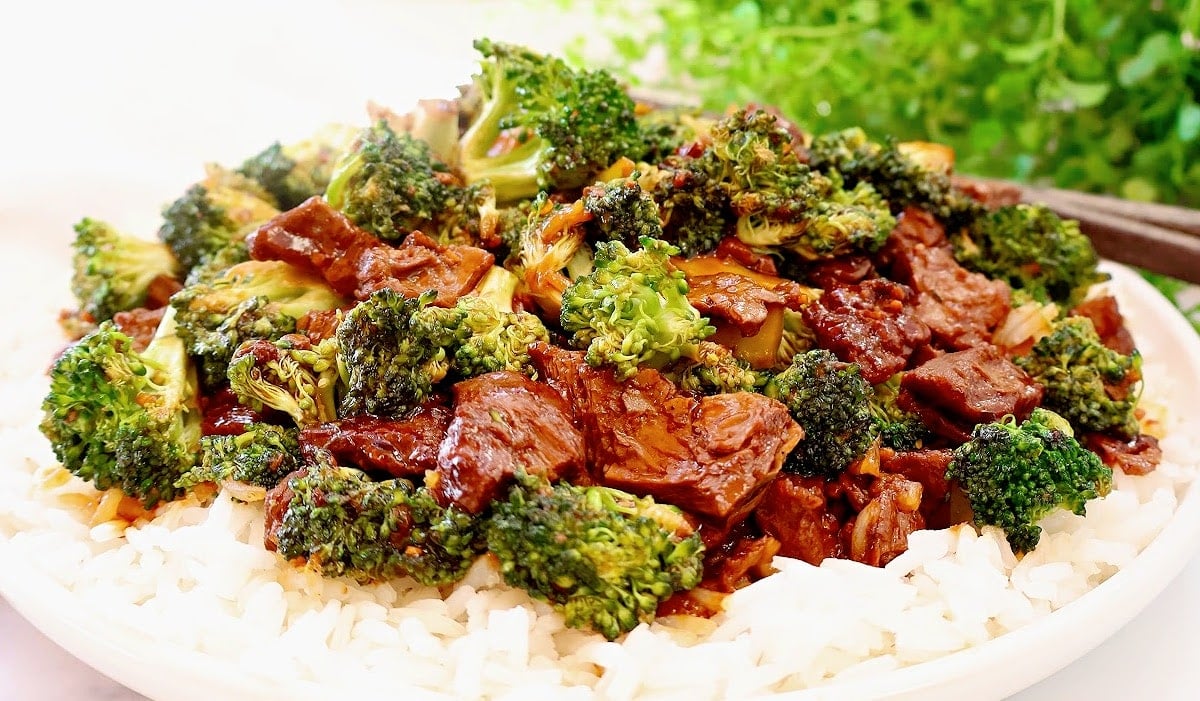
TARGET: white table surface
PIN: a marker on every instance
(109, 81)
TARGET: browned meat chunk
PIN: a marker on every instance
(733, 248)
(960, 307)
(1136, 457)
(914, 227)
(928, 468)
(881, 529)
(953, 392)
(405, 447)
(139, 325)
(733, 298)
(503, 421)
(314, 236)
(275, 507)
(223, 415)
(160, 290)
(794, 511)
(319, 325)
(711, 457)
(847, 270)
(740, 564)
(872, 323)
(1109, 323)
(419, 264)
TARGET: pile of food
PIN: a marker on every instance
(548, 388)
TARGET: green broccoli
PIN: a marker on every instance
(291, 375)
(1013, 475)
(716, 370)
(343, 524)
(112, 271)
(664, 131)
(213, 214)
(602, 557)
(693, 201)
(498, 338)
(633, 309)
(216, 263)
(125, 419)
(620, 211)
(1089, 384)
(390, 185)
(248, 463)
(543, 125)
(897, 429)
(899, 179)
(298, 171)
(830, 400)
(254, 299)
(1033, 250)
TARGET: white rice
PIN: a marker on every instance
(199, 578)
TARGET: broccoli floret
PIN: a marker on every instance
(215, 265)
(899, 179)
(497, 338)
(620, 211)
(541, 124)
(1089, 384)
(248, 463)
(343, 524)
(716, 370)
(291, 375)
(830, 400)
(665, 131)
(604, 558)
(897, 429)
(255, 299)
(212, 214)
(125, 419)
(1033, 250)
(633, 309)
(112, 271)
(390, 185)
(296, 172)
(392, 355)
(693, 203)
(1013, 475)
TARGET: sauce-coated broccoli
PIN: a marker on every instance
(1089, 384)
(294, 172)
(541, 124)
(1015, 474)
(830, 401)
(632, 309)
(601, 556)
(213, 214)
(254, 299)
(896, 428)
(291, 375)
(112, 271)
(1033, 250)
(248, 463)
(125, 419)
(343, 524)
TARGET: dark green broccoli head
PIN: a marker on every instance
(1089, 384)
(296, 172)
(393, 354)
(290, 375)
(830, 400)
(900, 180)
(124, 419)
(665, 131)
(693, 201)
(215, 265)
(497, 339)
(602, 557)
(213, 214)
(620, 211)
(897, 429)
(390, 185)
(632, 309)
(343, 524)
(1033, 250)
(556, 127)
(254, 299)
(249, 463)
(1014, 475)
(112, 271)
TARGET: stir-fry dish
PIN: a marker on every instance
(631, 352)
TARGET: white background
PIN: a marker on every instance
(143, 93)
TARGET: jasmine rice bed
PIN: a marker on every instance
(196, 583)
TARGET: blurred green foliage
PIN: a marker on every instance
(1095, 95)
